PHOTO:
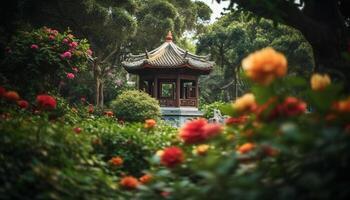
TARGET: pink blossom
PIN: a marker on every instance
(89, 52)
(51, 37)
(34, 46)
(54, 32)
(75, 69)
(65, 40)
(70, 76)
(66, 54)
(73, 44)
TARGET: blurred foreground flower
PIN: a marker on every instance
(146, 178)
(172, 156)
(199, 130)
(319, 82)
(23, 104)
(11, 96)
(129, 182)
(265, 65)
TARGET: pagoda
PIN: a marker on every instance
(170, 74)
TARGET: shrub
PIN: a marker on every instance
(135, 106)
(132, 142)
(208, 109)
(50, 58)
(44, 160)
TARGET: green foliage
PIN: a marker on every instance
(234, 36)
(135, 106)
(133, 143)
(37, 54)
(45, 160)
(208, 109)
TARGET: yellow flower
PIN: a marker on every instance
(319, 82)
(265, 65)
(202, 149)
(245, 103)
(159, 153)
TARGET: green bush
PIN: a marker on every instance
(45, 160)
(135, 106)
(133, 143)
(208, 109)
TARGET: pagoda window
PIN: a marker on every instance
(188, 89)
(167, 90)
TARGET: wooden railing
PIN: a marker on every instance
(188, 102)
(183, 102)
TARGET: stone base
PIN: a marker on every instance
(177, 116)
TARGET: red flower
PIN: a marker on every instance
(46, 101)
(2, 91)
(236, 120)
(70, 75)
(211, 130)
(34, 46)
(199, 130)
(12, 96)
(77, 129)
(23, 104)
(172, 156)
(293, 106)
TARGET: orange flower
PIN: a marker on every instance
(12, 96)
(202, 149)
(319, 82)
(245, 103)
(150, 123)
(245, 148)
(265, 65)
(116, 161)
(236, 120)
(109, 113)
(91, 108)
(342, 106)
(146, 178)
(129, 182)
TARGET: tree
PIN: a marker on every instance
(106, 24)
(324, 24)
(236, 35)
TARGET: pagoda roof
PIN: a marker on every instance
(168, 56)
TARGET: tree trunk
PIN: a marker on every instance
(101, 94)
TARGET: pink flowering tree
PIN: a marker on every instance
(44, 60)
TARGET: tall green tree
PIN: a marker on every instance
(324, 23)
(236, 35)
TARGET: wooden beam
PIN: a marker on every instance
(178, 91)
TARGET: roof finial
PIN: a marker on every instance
(169, 37)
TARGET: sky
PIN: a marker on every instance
(217, 8)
